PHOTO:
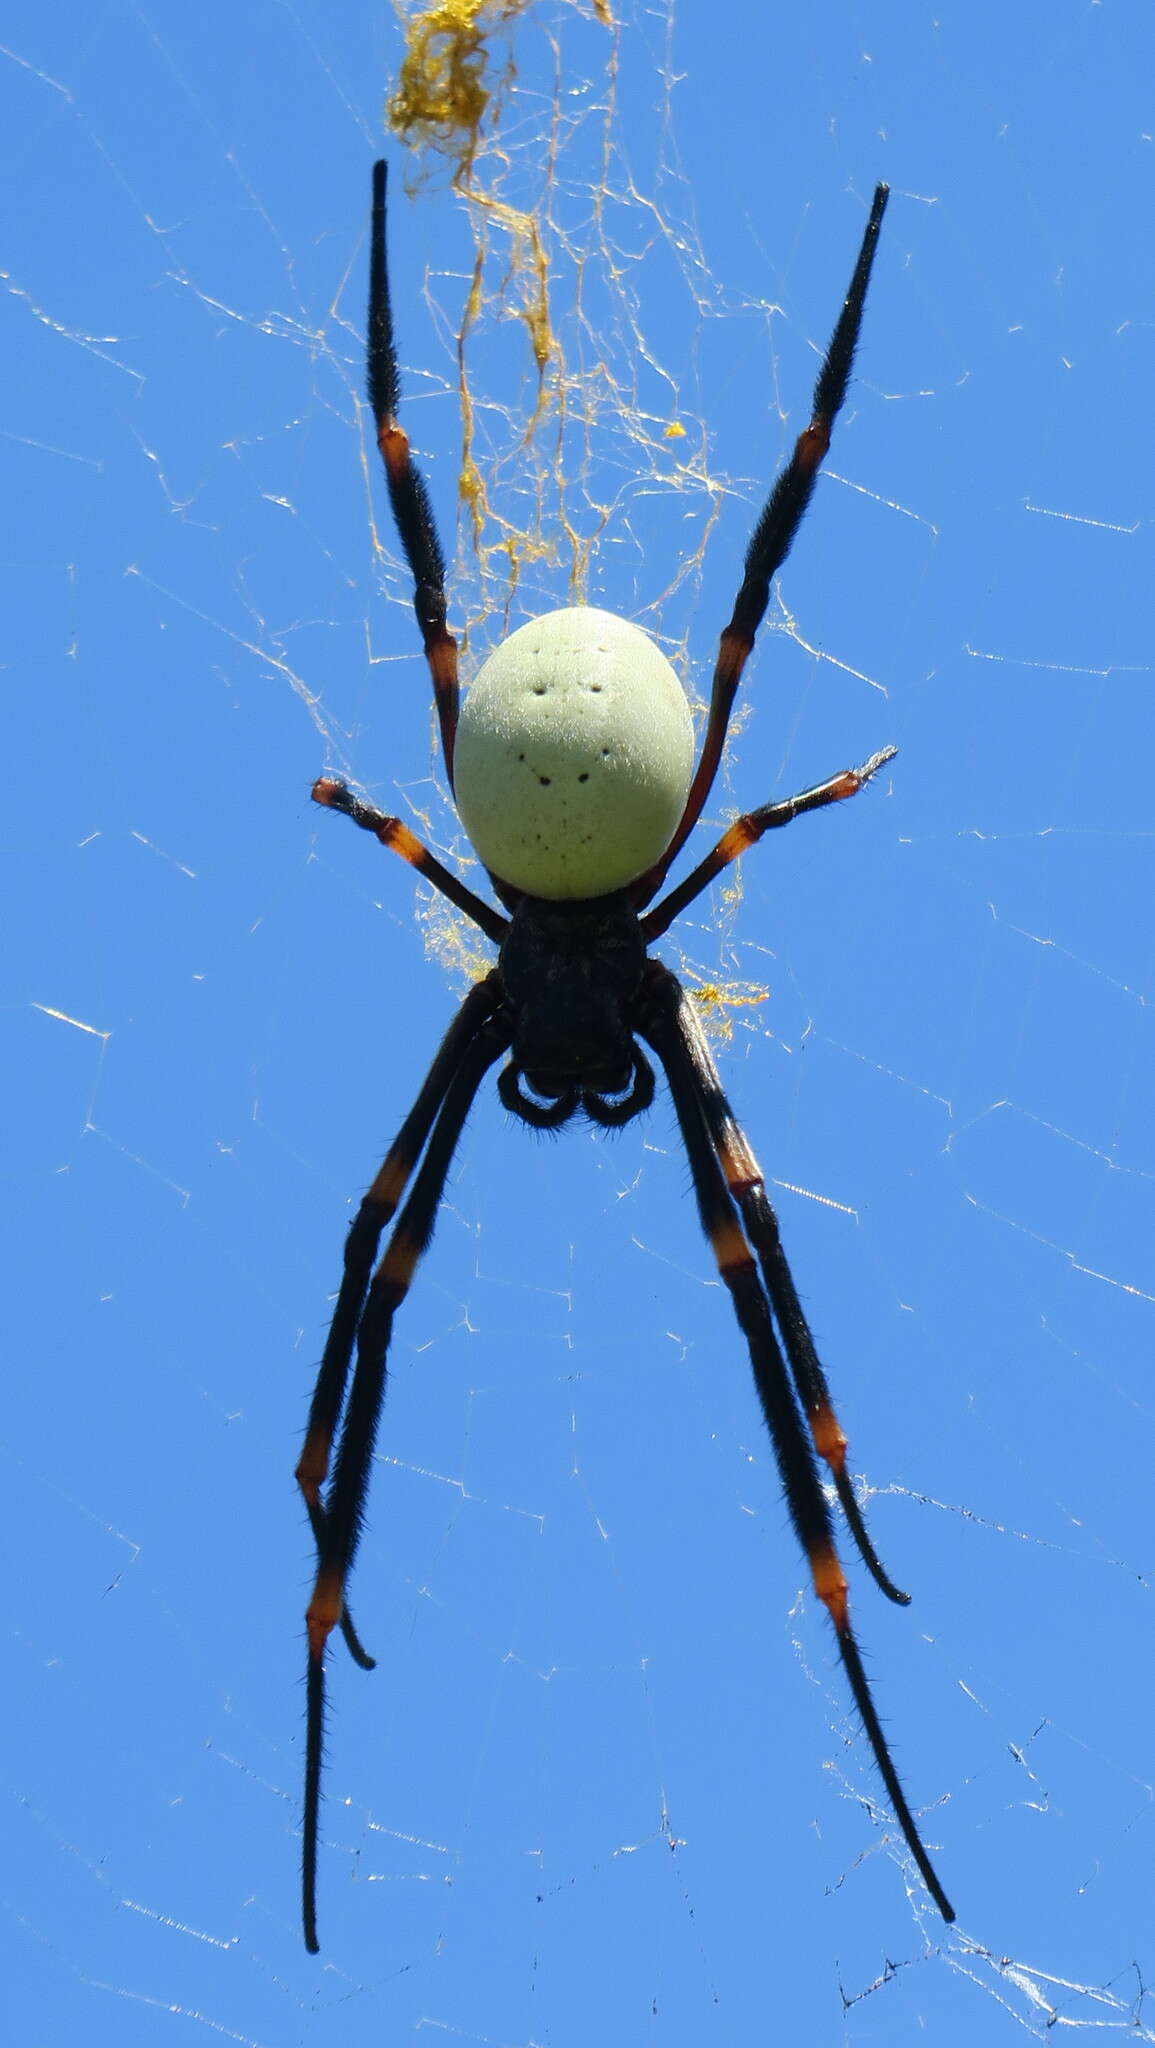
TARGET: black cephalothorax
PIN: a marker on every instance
(572, 976)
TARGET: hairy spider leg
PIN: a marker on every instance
(375, 1212)
(747, 830)
(668, 1024)
(408, 491)
(344, 1509)
(747, 1187)
(771, 543)
(392, 833)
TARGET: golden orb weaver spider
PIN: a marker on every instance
(575, 855)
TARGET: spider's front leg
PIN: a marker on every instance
(713, 1143)
(366, 1307)
(747, 1187)
(361, 1245)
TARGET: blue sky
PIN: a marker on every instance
(604, 1784)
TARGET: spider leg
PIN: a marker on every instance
(747, 1187)
(747, 830)
(337, 796)
(668, 1023)
(466, 1055)
(376, 1210)
(772, 540)
(408, 492)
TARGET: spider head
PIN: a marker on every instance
(572, 973)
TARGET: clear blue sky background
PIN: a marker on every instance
(604, 1786)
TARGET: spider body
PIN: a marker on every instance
(572, 976)
(571, 761)
(573, 758)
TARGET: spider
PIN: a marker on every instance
(570, 764)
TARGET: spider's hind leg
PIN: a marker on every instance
(747, 830)
(771, 542)
(335, 795)
(408, 492)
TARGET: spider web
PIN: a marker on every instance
(605, 1783)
